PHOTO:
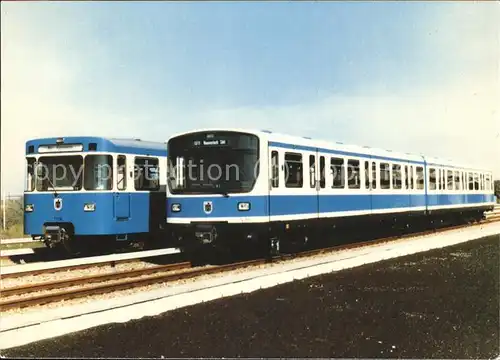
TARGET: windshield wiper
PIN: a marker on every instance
(53, 186)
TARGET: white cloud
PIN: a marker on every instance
(458, 119)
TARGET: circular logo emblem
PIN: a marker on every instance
(207, 207)
(58, 204)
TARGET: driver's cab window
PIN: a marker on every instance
(30, 174)
(121, 168)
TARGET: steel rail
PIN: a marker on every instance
(96, 263)
(57, 284)
(121, 285)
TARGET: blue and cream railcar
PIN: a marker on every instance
(83, 190)
(238, 185)
(458, 190)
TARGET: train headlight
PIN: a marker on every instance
(243, 206)
(29, 208)
(176, 207)
(89, 207)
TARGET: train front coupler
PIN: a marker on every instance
(54, 236)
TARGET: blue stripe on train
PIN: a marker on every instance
(192, 207)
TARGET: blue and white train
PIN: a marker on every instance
(229, 187)
(83, 191)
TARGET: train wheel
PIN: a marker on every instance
(199, 255)
(70, 245)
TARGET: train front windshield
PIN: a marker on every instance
(58, 173)
(213, 162)
(69, 173)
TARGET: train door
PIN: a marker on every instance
(405, 171)
(371, 180)
(121, 196)
(313, 181)
(275, 180)
(289, 180)
(320, 181)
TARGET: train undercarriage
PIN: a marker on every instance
(201, 239)
(61, 237)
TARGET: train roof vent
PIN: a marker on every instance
(267, 131)
(306, 137)
(338, 142)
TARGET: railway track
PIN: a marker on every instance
(110, 264)
(83, 280)
(130, 279)
(42, 254)
(82, 263)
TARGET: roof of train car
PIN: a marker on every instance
(130, 146)
(339, 146)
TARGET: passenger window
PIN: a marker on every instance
(471, 182)
(457, 181)
(374, 175)
(353, 180)
(432, 179)
(312, 171)
(121, 179)
(275, 169)
(396, 176)
(411, 177)
(450, 180)
(146, 174)
(406, 176)
(293, 170)
(367, 174)
(420, 178)
(385, 176)
(487, 183)
(338, 173)
(322, 172)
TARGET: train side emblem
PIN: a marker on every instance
(207, 207)
(58, 204)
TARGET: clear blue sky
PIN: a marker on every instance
(367, 73)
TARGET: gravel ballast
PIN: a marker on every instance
(440, 304)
